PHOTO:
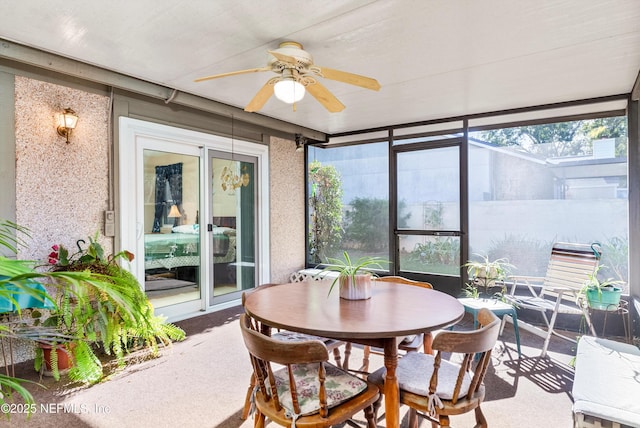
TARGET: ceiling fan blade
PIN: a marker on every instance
(350, 78)
(326, 98)
(283, 57)
(232, 73)
(262, 96)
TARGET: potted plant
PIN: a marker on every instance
(20, 283)
(486, 277)
(354, 277)
(601, 294)
(107, 312)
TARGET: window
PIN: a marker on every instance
(530, 186)
(348, 195)
(522, 188)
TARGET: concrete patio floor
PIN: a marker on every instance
(202, 381)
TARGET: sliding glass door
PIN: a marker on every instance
(171, 227)
(190, 212)
(232, 223)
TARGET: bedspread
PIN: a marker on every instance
(173, 250)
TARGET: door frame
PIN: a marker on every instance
(446, 283)
(136, 135)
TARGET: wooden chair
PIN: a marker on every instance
(407, 343)
(557, 292)
(308, 391)
(290, 336)
(439, 388)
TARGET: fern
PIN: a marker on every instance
(109, 310)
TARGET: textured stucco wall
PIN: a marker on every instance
(287, 199)
(61, 189)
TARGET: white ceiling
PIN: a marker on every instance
(433, 58)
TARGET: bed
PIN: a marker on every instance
(181, 247)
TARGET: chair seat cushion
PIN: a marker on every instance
(294, 336)
(414, 374)
(406, 339)
(340, 385)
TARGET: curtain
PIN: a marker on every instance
(168, 191)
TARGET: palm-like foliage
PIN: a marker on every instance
(97, 306)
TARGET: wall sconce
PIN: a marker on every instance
(67, 121)
(300, 141)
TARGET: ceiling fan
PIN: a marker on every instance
(297, 74)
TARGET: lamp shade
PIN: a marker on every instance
(288, 90)
(174, 212)
(68, 119)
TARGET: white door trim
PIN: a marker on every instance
(136, 135)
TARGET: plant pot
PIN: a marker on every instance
(607, 299)
(64, 358)
(360, 290)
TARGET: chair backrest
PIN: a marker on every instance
(570, 266)
(256, 325)
(474, 346)
(264, 351)
(403, 280)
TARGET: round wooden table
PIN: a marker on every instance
(393, 310)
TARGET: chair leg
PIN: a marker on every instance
(337, 357)
(347, 355)
(370, 415)
(413, 418)
(247, 400)
(427, 342)
(481, 422)
(376, 406)
(444, 421)
(365, 358)
(550, 326)
(259, 420)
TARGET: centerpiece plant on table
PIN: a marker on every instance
(107, 311)
(354, 277)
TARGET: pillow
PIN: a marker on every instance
(187, 228)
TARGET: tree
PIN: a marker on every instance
(562, 139)
(325, 210)
(367, 223)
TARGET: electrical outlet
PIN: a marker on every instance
(109, 223)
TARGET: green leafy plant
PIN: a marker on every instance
(595, 285)
(366, 222)
(484, 274)
(325, 211)
(16, 281)
(348, 268)
(108, 311)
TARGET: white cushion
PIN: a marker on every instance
(607, 384)
(414, 374)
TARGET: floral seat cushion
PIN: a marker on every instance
(340, 385)
(293, 336)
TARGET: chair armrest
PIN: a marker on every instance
(531, 282)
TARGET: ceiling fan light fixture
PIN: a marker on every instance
(288, 90)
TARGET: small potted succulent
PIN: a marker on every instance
(354, 277)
